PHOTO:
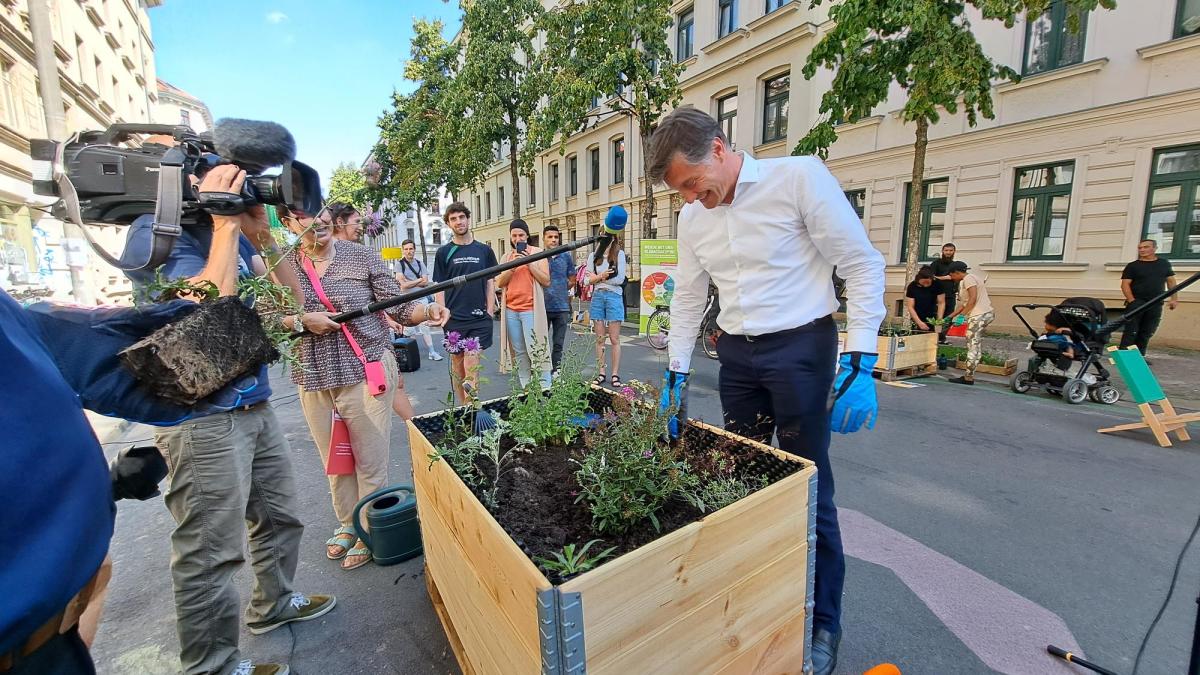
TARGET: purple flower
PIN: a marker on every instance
(647, 454)
(471, 345)
(628, 393)
(451, 343)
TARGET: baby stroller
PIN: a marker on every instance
(1076, 377)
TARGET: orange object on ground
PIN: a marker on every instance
(883, 669)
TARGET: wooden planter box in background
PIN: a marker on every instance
(1009, 367)
(730, 593)
(901, 352)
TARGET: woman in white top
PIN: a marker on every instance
(606, 273)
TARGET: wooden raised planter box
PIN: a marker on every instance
(900, 352)
(1009, 367)
(730, 594)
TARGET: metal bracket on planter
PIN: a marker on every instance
(560, 627)
(809, 597)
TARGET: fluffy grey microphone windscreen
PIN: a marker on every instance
(252, 144)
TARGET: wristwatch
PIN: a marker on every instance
(297, 324)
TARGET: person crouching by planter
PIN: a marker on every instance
(523, 325)
(769, 234)
(924, 299)
(349, 368)
(605, 274)
(977, 307)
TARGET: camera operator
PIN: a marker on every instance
(228, 468)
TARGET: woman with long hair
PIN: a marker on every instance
(606, 273)
(348, 369)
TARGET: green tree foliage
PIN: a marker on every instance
(614, 50)
(925, 46)
(348, 185)
(494, 91)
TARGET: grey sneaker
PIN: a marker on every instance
(301, 607)
(436, 356)
(247, 667)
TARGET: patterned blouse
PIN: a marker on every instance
(356, 277)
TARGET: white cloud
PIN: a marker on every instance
(276, 17)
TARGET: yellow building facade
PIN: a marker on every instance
(1095, 148)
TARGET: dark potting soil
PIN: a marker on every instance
(537, 504)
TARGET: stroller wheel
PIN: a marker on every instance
(1105, 393)
(1075, 390)
(1020, 382)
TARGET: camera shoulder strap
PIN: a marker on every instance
(167, 214)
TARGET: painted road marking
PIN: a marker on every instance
(1007, 631)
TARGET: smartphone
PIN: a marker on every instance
(521, 246)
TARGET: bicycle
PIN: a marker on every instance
(658, 327)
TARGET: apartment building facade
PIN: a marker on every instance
(105, 59)
(1095, 148)
(176, 106)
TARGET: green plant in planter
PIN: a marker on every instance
(952, 352)
(542, 417)
(720, 487)
(481, 460)
(569, 562)
(896, 328)
(627, 474)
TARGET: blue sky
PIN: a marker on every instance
(325, 70)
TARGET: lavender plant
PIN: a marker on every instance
(627, 475)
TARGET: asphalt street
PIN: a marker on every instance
(980, 525)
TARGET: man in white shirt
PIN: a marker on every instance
(769, 233)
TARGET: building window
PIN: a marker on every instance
(618, 154)
(8, 94)
(685, 36)
(1187, 18)
(727, 116)
(572, 175)
(858, 201)
(1173, 208)
(412, 234)
(554, 182)
(1049, 44)
(477, 209)
(437, 237)
(185, 118)
(775, 109)
(1039, 216)
(773, 5)
(726, 17)
(594, 167)
(532, 190)
(500, 199)
(933, 219)
(487, 206)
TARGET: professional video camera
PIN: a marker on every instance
(100, 181)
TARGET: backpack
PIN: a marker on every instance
(584, 289)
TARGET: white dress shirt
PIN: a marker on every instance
(771, 254)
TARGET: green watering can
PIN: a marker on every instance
(395, 534)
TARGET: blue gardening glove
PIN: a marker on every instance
(960, 320)
(853, 394)
(674, 394)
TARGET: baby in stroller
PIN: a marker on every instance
(1067, 355)
(1058, 331)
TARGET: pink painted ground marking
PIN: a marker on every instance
(1008, 632)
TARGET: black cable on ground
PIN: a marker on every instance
(1166, 601)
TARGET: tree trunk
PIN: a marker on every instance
(421, 236)
(516, 178)
(648, 204)
(913, 243)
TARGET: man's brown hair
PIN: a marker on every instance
(457, 207)
(687, 131)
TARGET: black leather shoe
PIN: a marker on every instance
(824, 651)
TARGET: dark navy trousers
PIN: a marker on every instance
(779, 385)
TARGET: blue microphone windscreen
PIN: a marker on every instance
(616, 219)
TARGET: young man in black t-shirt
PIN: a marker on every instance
(924, 299)
(1143, 279)
(472, 304)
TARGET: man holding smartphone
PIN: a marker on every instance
(523, 325)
